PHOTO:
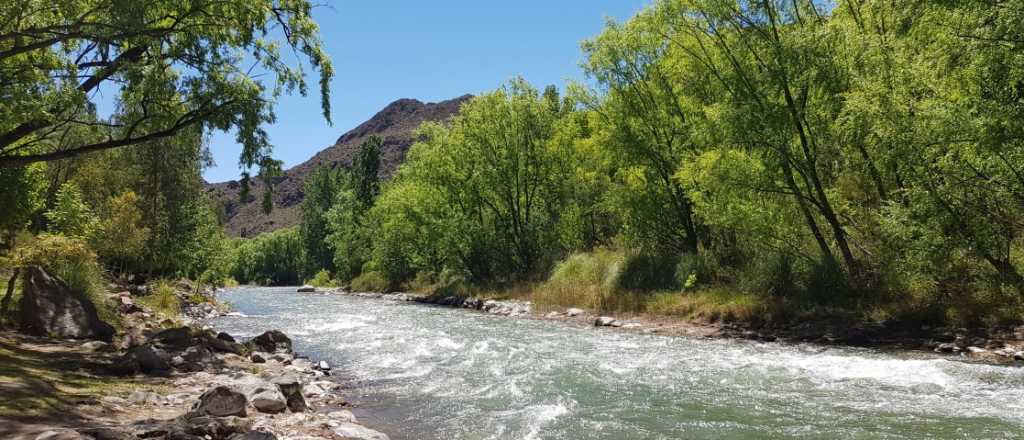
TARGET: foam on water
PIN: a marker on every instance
(438, 373)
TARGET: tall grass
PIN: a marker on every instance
(162, 299)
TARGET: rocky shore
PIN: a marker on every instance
(997, 346)
(171, 378)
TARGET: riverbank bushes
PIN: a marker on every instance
(781, 159)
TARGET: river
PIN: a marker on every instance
(423, 372)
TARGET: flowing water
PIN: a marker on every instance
(423, 372)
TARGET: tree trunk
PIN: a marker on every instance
(6, 302)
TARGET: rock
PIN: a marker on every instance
(107, 434)
(947, 347)
(1018, 356)
(604, 321)
(138, 290)
(269, 400)
(49, 307)
(357, 432)
(573, 312)
(222, 401)
(272, 341)
(253, 435)
(975, 350)
(221, 344)
(144, 359)
(217, 427)
(257, 358)
(552, 315)
(61, 434)
(95, 346)
(225, 337)
(342, 416)
(323, 366)
(178, 338)
(142, 397)
(291, 388)
(283, 358)
(306, 289)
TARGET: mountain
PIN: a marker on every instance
(395, 124)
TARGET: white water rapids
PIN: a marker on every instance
(424, 372)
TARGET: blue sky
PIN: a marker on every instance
(384, 50)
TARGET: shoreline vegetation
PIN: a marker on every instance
(769, 164)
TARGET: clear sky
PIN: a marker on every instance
(429, 50)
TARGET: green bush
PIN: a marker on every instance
(322, 279)
(162, 299)
(370, 282)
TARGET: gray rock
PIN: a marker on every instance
(291, 388)
(49, 307)
(226, 337)
(573, 312)
(145, 359)
(552, 315)
(357, 432)
(306, 289)
(604, 321)
(61, 434)
(217, 427)
(253, 435)
(342, 416)
(1019, 356)
(104, 433)
(95, 346)
(257, 357)
(138, 290)
(947, 348)
(323, 366)
(976, 350)
(269, 400)
(271, 341)
(222, 401)
(178, 338)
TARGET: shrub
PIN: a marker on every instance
(70, 259)
(321, 279)
(162, 299)
(370, 282)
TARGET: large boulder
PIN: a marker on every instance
(306, 289)
(217, 427)
(221, 401)
(291, 388)
(271, 341)
(49, 307)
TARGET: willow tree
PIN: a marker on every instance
(170, 66)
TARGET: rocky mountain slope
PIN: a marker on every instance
(395, 124)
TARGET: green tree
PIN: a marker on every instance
(173, 66)
(321, 192)
(71, 215)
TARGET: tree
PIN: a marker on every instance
(321, 192)
(70, 215)
(173, 66)
(365, 179)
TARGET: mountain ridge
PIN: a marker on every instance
(395, 124)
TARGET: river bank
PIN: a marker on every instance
(169, 377)
(1003, 346)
